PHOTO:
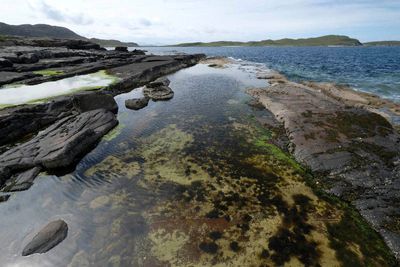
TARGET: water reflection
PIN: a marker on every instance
(194, 181)
(20, 94)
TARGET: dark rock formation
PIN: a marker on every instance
(22, 181)
(5, 63)
(59, 145)
(138, 52)
(20, 121)
(158, 90)
(137, 103)
(356, 151)
(121, 48)
(47, 238)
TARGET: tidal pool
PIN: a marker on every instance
(15, 94)
(199, 180)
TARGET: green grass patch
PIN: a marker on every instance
(49, 72)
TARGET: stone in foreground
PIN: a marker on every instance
(49, 237)
(159, 90)
(137, 103)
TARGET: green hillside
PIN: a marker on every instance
(383, 43)
(334, 40)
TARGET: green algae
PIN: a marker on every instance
(49, 72)
(353, 229)
(114, 133)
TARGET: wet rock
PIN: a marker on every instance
(28, 58)
(121, 48)
(4, 198)
(137, 103)
(354, 148)
(138, 52)
(159, 83)
(22, 181)
(47, 238)
(17, 122)
(5, 63)
(158, 90)
(60, 144)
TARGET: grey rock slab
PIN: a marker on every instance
(355, 149)
(50, 236)
(60, 144)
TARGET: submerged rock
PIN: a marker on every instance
(47, 238)
(137, 103)
(159, 90)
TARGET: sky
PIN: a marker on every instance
(176, 21)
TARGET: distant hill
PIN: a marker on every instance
(334, 40)
(111, 43)
(38, 30)
(383, 43)
(49, 31)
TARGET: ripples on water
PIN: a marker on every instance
(369, 69)
(163, 186)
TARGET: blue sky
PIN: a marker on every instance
(173, 21)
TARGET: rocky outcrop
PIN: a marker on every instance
(59, 145)
(137, 103)
(47, 238)
(158, 90)
(355, 151)
(21, 121)
(121, 48)
(22, 181)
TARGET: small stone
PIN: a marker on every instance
(137, 103)
(49, 237)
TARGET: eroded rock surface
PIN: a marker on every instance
(159, 90)
(355, 151)
(47, 238)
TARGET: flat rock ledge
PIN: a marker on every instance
(351, 147)
(50, 236)
(57, 146)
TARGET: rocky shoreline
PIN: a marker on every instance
(348, 140)
(56, 133)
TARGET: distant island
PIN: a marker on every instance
(328, 40)
(383, 43)
(49, 31)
